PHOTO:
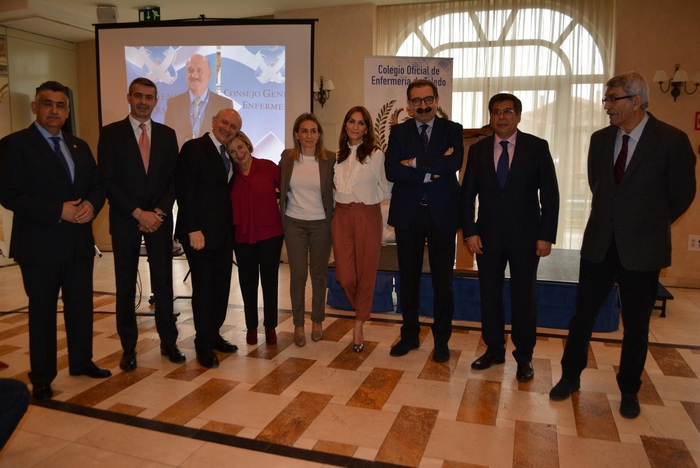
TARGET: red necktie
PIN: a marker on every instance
(144, 146)
(621, 161)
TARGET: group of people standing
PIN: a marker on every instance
(641, 173)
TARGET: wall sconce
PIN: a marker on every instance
(323, 93)
(680, 78)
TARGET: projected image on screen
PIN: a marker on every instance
(195, 82)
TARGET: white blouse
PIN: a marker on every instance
(361, 183)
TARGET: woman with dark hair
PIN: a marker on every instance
(361, 185)
(258, 234)
(306, 204)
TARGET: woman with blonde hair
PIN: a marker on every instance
(258, 234)
(361, 185)
(306, 204)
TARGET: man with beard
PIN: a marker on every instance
(137, 159)
(189, 112)
(203, 180)
(422, 160)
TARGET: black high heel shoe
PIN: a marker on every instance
(358, 347)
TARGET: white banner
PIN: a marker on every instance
(386, 81)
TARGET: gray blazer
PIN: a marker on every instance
(326, 171)
(657, 188)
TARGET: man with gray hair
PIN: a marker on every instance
(641, 172)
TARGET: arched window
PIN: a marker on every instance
(555, 56)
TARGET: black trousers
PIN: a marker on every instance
(259, 261)
(42, 283)
(637, 295)
(211, 283)
(441, 254)
(126, 242)
(14, 400)
(523, 295)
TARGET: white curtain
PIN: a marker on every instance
(555, 56)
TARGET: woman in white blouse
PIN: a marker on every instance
(361, 185)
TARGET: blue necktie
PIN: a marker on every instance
(424, 136)
(502, 168)
(227, 161)
(61, 157)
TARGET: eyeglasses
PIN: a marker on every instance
(427, 100)
(613, 99)
(508, 112)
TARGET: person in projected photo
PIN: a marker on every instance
(258, 234)
(360, 186)
(189, 113)
(306, 204)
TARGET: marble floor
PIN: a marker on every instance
(324, 405)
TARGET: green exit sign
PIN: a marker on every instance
(149, 14)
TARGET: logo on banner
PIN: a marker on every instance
(391, 114)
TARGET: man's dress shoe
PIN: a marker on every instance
(403, 347)
(207, 359)
(42, 391)
(486, 361)
(128, 360)
(441, 354)
(525, 372)
(629, 406)
(563, 389)
(94, 372)
(223, 346)
(173, 353)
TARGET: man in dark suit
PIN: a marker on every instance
(641, 172)
(190, 112)
(137, 163)
(203, 180)
(513, 175)
(50, 181)
(424, 154)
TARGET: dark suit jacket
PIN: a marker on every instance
(203, 194)
(525, 210)
(34, 185)
(177, 114)
(409, 186)
(326, 171)
(124, 178)
(657, 188)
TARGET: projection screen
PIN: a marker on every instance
(262, 68)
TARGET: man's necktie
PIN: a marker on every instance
(502, 168)
(424, 136)
(61, 157)
(621, 162)
(196, 120)
(145, 146)
(227, 162)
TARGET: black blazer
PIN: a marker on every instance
(124, 178)
(409, 186)
(177, 114)
(657, 188)
(34, 185)
(203, 193)
(521, 213)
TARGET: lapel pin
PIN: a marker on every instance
(75, 146)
